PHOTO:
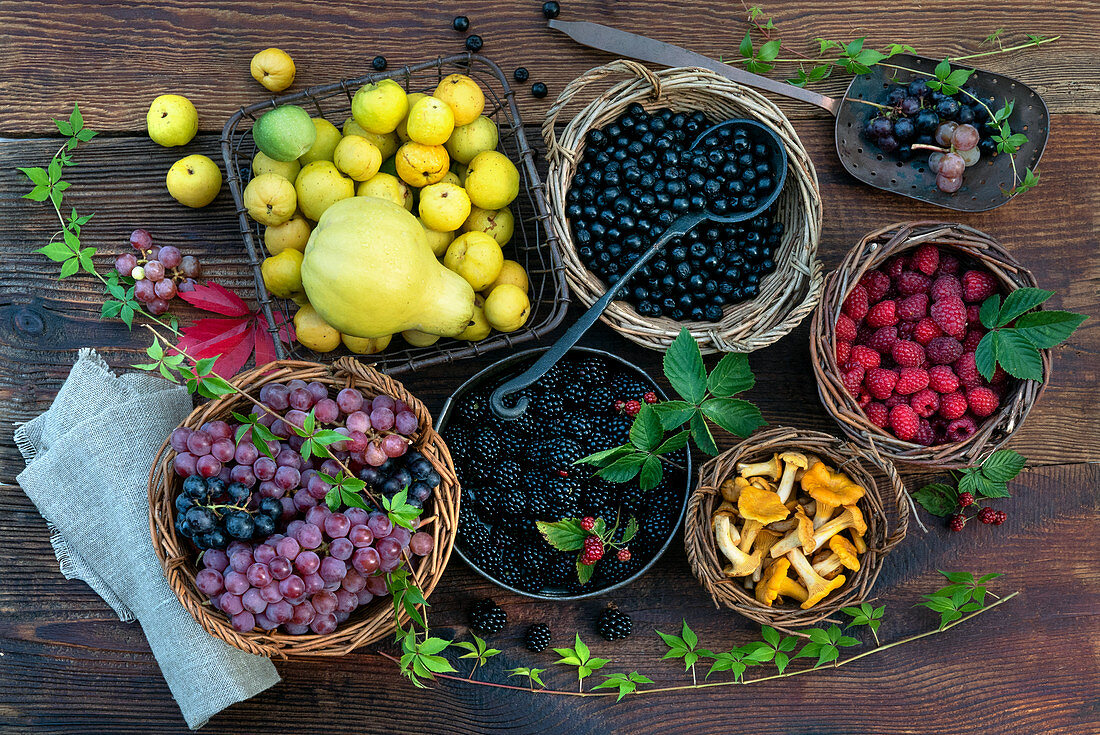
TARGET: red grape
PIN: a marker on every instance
(208, 466)
(184, 464)
(349, 400)
(170, 256)
(421, 543)
(141, 239)
(125, 264)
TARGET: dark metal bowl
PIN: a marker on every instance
(509, 364)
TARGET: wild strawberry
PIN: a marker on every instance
(632, 408)
(946, 287)
(926, 435)
(978, 286)
(926, 331)
(881, 382)
(950, 315)
(911, 282)
(904, 422)
(845, 328)
(877, 284)
(649, 397)
(883, 340)
(982, 401)
(944, 350)
(967, 371)
(953, 405)
(942, 379)
(949, 265)
(843, 351)
(895, 266)
(914, 307)
(883, 314)
(911, 380)
(973, 337)
(878, 414)
(926, 259)
(987, 515)
(866, 357)
(907, 354)
(588, 523)
(895, 399)
(856, 304)
(961, 429)
(853, 379)
(925, 402)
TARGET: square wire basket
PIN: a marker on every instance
(533, 244)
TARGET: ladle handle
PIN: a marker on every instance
(572, 335)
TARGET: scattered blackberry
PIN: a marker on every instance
(525, 427)
(537, 637)
(613, 624)
(597, 497)
(474, 408)
(507, 474)
(461, 23)
(378, 63)
(521, 74)
(474, 43)
(514, 502)
(548, 404)
(575, 394)
(539, 90)
(458, 441)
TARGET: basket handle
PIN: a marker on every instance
(619, 66)
(900, 495)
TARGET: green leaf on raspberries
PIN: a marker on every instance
(990, 311)
(938, 498)
(650, 474)
(565, 535)
(623, 469)
(730, 376)
(1046, 329)
(674, 443)
(700, 433)
(1017, 355)
(584, 571)
(1003, 465)
(630, 531)
(735, 415)
(991, 489)
(646, 432)
(673, 414)
(607, 456)
(746, 46)
(985, 355)
(1020, 301)
(683, 366)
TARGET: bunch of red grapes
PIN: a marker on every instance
(160, 273)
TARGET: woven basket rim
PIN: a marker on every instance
(787, 295)
(871, 251)
(367, 624)
(879, 503)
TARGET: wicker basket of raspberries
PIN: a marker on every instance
(894, 340)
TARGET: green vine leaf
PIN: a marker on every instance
(625, 683)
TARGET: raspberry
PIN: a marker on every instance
(592, 550)
(926, 331)
(904, 422)
(623, 555)
(650, 397)
(853, 379)
(913, 307)
(925, 402)
(944, 350)
(953, 405)
(957, 523)
(926, 436)
(911, 380)
(864, 399)
(950, 315)
(926, 259)
(999, 376)
(987, 515)
(632, 408)
(973, 314)
(588, 523)
(1001, 518)
(982, 401)
(949, 265)
(942, 379)
(877, 284)
(972, 338)
(881, 382)
(961, 429)
(883, 314)
(946, 287)
(906, 330)
(966, 499)
(911, 282)
(907, 354)
(894, 400)
(883, 340)
(864, 334)
(977, 286)
(896, 266)
(967, 371)
(843, 351)
(857, 303)
(878, 414)
(866, 357)
(619, 405)
(845, 328)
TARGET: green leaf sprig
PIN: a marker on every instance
(866, 614)
(534, 676)
(1016, 348)
(625, 683)
(964, 595)
(568, 535)
(580, 657)
(825, 644)
(683, 646)
(987, 480)
(477, 650)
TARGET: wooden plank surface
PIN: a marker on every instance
(66, 664)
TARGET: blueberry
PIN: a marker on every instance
(461, 23)
(918, 88)
(538, 89)
(474, 43)
(713, 313)
(378, 63)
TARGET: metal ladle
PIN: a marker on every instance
(679, 227)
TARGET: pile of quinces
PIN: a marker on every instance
(766, 530)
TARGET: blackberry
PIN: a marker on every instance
(597, 497)
(474, 533)
(526, 529)
(613, 624)
(627, 386)
(559, 454)
(615, 428)
(610, 570)
(514, 502)
(533, 560)
(487, 617)
(525, 427)
(511, 574)
(507, 474)
(555, 377)
(600, 398)
(592, 371)
(539, 505)
(548, 405)
(537, 637)
(490, 501)
(487, 446)
(474, 409)
(565, 506)
(572, 425)
(575, 394)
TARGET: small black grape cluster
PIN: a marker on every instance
(160, 273)
(957, 128)
(212, 512)
(638, 175)
(411, 470)
(517, 472)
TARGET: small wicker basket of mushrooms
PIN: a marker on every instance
(792, 523)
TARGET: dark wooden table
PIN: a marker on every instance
(67, 665)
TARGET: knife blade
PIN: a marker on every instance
(631, 45)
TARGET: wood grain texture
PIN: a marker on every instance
(115, 57)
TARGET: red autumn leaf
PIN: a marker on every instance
(216, 298)
(233, 359)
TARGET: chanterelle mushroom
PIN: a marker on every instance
(850, 518)
(729, 510)
(730, 490)
(742, 564)
(802, 535)
(816, 586)
(765, 540)
(758, 507)
(857, 540)
(843, 555)
(769, 469)
(775, 582)
(830, 489)
(811, 460)
(792, 462)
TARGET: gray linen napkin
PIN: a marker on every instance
(88, 460)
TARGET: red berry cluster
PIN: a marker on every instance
(159, 273)
(986, 515)
(592, 551)
(632, 406)
(905, 343)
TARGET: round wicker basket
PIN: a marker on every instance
(884, 495)
(871, 252)
(787, 295)
(367, 624)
